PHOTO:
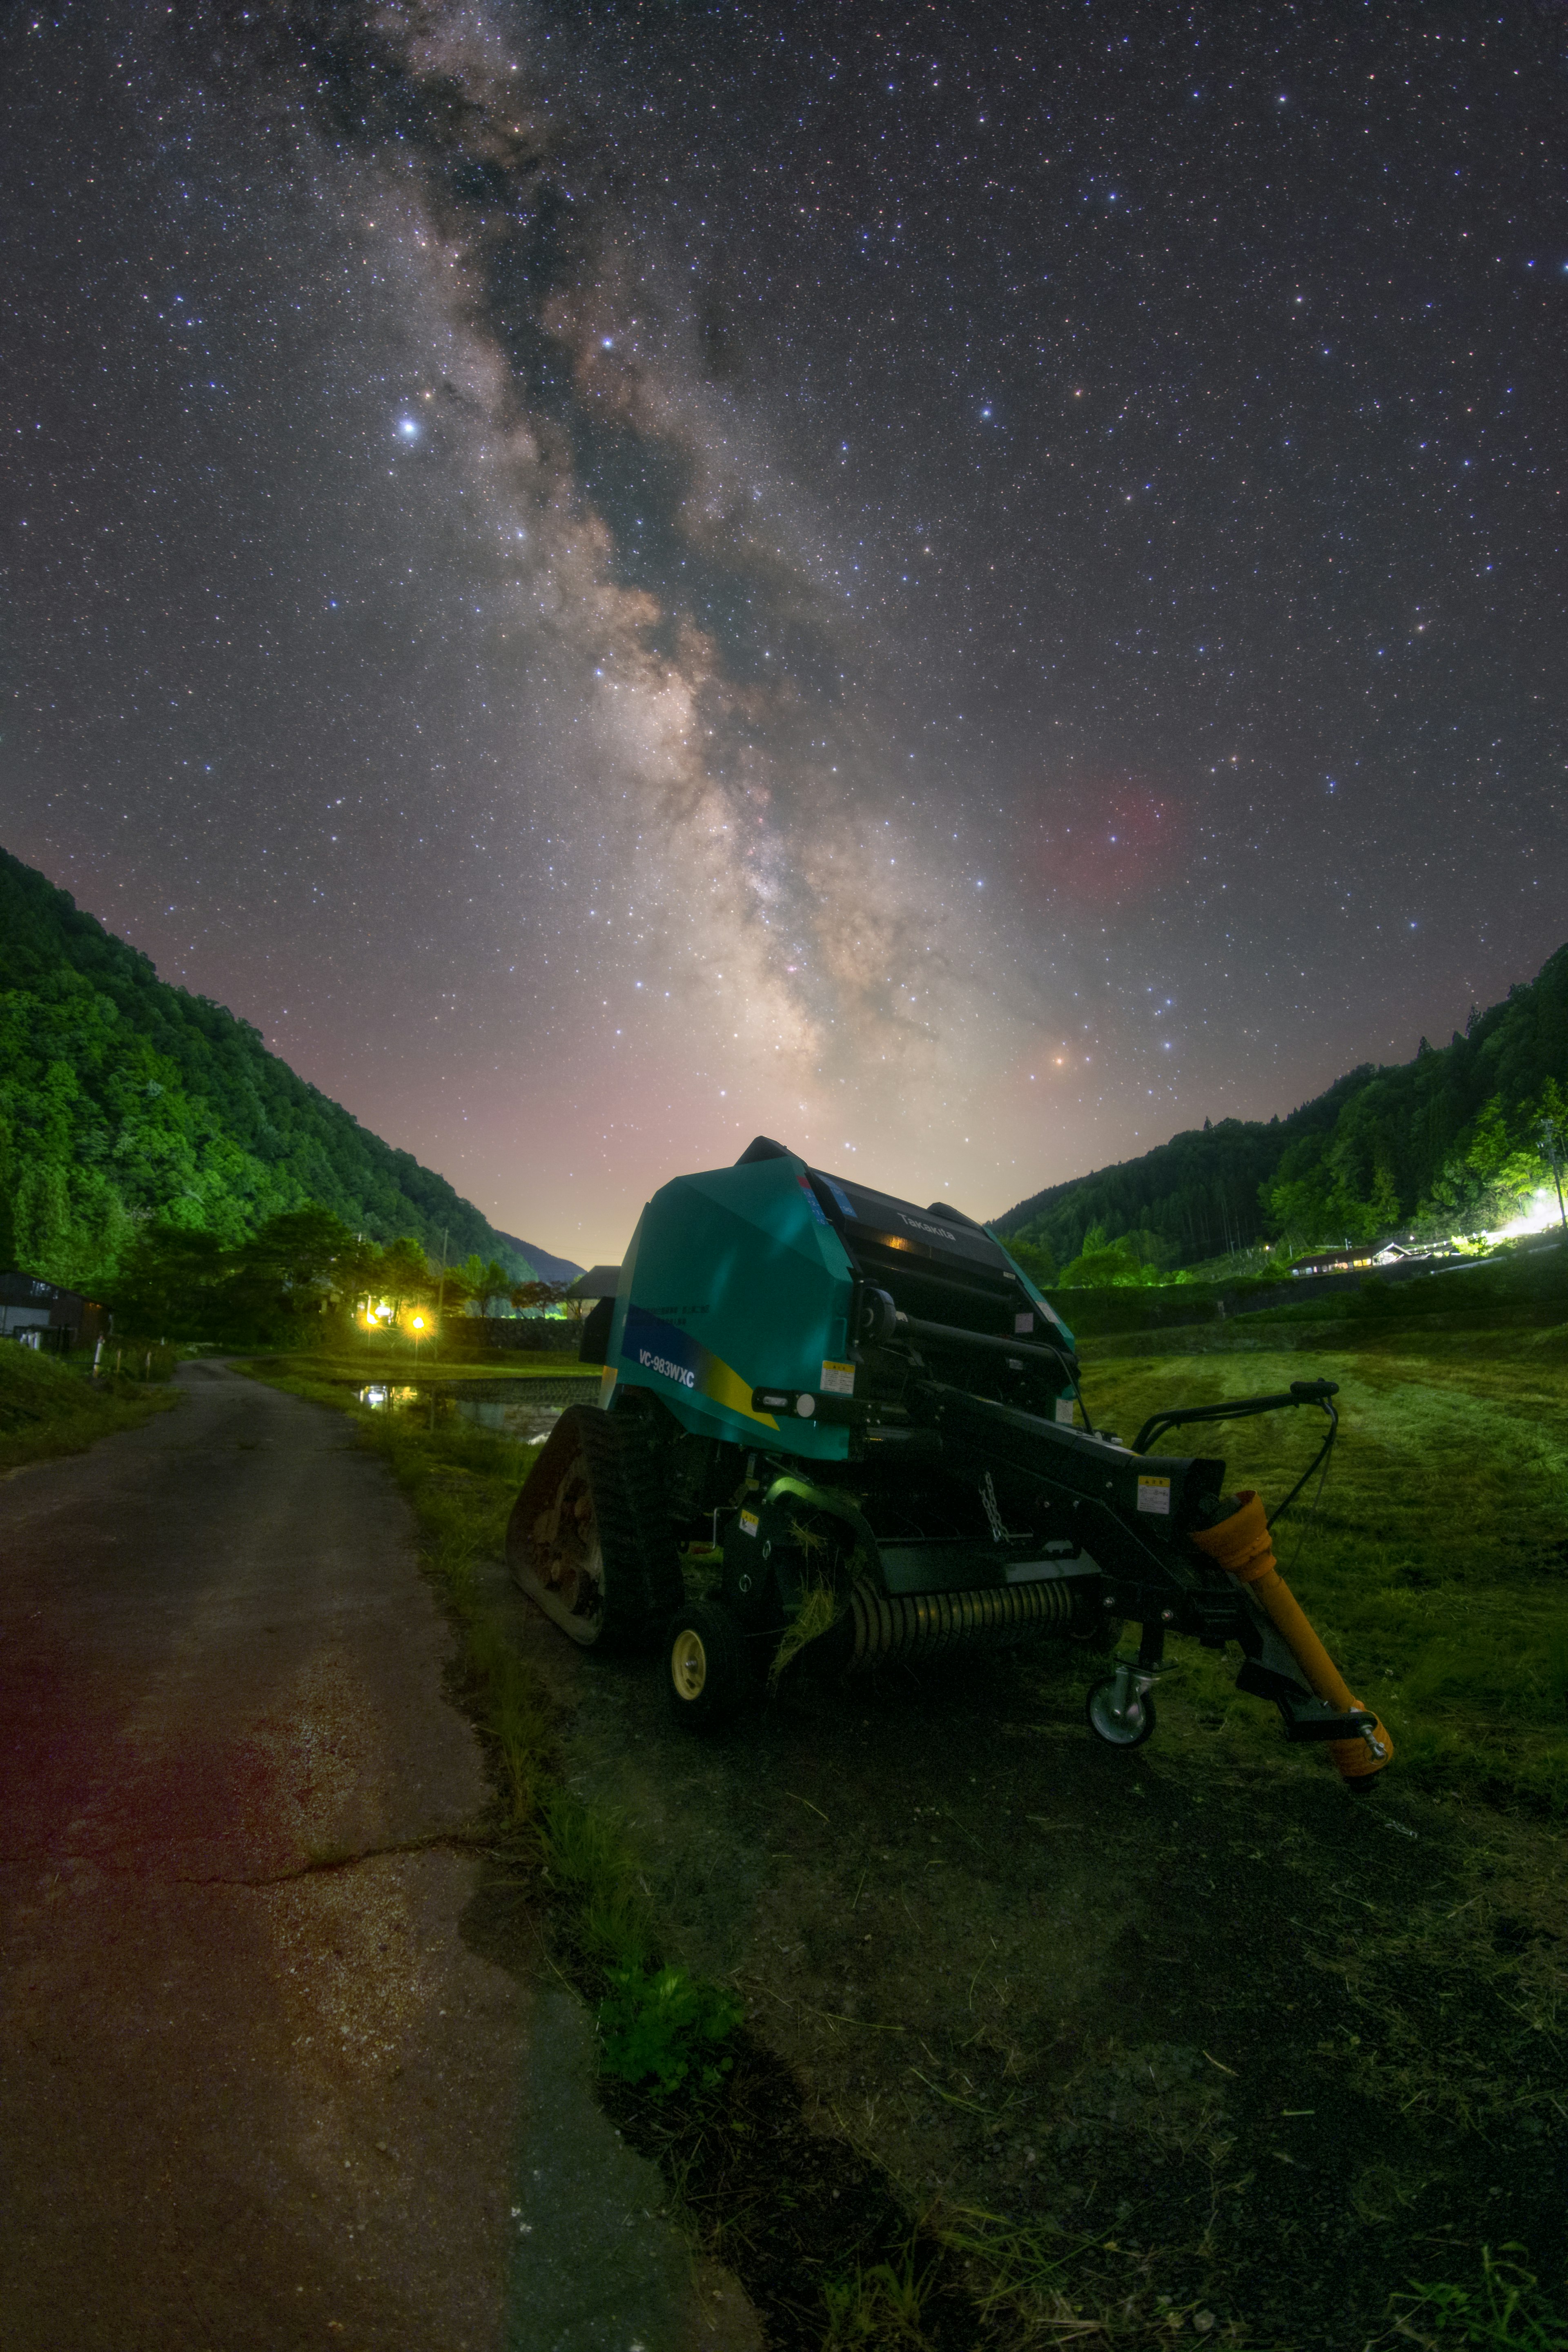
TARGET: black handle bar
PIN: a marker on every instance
(1239, 1408)
(1317, 1392)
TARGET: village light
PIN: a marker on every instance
(1540, 1212)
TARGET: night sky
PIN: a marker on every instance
(965, 587)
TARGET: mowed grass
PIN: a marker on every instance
(1435, 1563)
(50, 1405)
(372, 1359)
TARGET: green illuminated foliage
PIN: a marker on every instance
(661, 2027)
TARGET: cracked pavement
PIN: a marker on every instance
(256, 2089)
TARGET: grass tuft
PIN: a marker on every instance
(1019, 2273)
(1507, 2308)
(880, 2308)
(818, 1611)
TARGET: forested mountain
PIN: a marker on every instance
(124, 1100)
(1448, 1142)
(546, 1263)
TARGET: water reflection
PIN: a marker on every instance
(531, 1423)
(526, 1411)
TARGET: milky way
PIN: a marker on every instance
(964, 587)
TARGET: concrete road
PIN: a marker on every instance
(255, 2088)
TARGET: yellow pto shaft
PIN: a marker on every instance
(1242, 1544)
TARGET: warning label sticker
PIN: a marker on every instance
(837, 1380)
(1154, 1494)
(1024, 1322)
(1065, 1410)
(748, 1523)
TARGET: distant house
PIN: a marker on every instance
(1341, 1261)
(1363, 1257)
(41, 1315)
(1415, 1252)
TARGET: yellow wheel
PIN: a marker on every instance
(688, 1663)
(707, 1656)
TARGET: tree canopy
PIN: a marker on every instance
(126, 1103)
(1447, 1141)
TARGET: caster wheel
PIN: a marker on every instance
(1122, 1716)
(707, 1680)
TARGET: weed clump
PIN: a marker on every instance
(663, 2027)
(1507, 2308)
(881, 2306)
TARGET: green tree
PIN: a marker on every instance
(489, 1285)
(1036, 1260)
(124, 1101)
(175, 1284)
(360, 1277)
(536, 1297)
(1552, 1135)
(407, 1272)
(455, 1289)
(301, 1248)
(1105, 1266)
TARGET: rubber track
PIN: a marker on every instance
(643, 1583)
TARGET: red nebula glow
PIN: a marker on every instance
(1103, 842)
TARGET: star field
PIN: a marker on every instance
(964, 586)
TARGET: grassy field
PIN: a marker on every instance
(1435, 1563)
(1523, 1284)
(50, 1405)
(397, 1361)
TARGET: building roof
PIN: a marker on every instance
(31, 1290)
(599, 1282)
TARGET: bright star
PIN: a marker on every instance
(409, 428)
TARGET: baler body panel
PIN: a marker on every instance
(735, 1281)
